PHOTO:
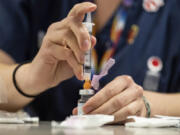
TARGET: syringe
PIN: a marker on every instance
(88, 63)
(86, 92)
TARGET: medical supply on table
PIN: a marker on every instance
(104, 72)
(84, 131)
(84, 121)
(167, 117)
(16, 118)
(86, 92)
(88, 62)
(87, 84)
(85, 95)
(87, 66)
(155, 122)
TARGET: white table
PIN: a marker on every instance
(44, 128)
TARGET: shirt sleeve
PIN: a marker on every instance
(14, 29)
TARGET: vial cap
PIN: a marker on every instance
(86, 92)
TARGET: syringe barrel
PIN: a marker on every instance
(87, 65)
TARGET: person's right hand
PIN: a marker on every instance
(63, 48)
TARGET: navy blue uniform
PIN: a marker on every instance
(21, 21)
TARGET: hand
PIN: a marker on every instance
(122, 98)
(63, 48)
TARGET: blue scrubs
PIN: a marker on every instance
(159, 35)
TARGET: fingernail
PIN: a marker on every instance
(86, 45)
(88, 109)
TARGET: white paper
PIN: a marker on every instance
(152, 122)
(16, 118)
(84, 121)
(167, 117)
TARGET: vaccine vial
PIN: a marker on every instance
(85, 95)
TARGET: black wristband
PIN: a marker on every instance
(15, 83)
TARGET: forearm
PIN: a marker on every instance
(24, 81)
(163, 104)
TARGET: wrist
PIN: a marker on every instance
(147, 95)
(147, 107)
(26, 81)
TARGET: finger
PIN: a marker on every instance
(56, 51)
(93, 41)
(120, 100)
(85, 40)
(79, 10)
(71, 41)
(65, 70)
(63, 53)
(109, 91)
(82, 34)
(67, 38)
(129, 110)
(77, 13)
(77, 68)
(79, 30)
(75, 111)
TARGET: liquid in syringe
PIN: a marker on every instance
(88, 62)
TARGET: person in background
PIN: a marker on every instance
(141, 35)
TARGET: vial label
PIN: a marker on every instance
(80, 110)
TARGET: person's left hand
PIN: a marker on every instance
(122, 98)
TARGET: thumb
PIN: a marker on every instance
(74, 112)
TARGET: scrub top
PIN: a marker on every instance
(156, 46)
